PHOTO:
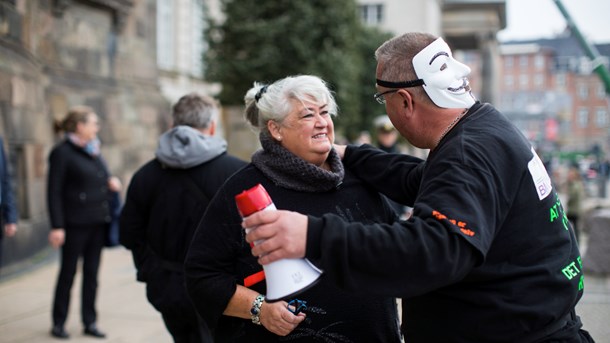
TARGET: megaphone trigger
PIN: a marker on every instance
(296, 306)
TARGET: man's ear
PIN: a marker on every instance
(212, 128)
(407, 99)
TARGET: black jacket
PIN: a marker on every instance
(77, 189)
(164, 205)
(219, 259)
(488, 255)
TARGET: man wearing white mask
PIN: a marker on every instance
(488, 254)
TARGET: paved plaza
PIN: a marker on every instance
(126, 316)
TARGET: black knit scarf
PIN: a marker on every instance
(290, 171)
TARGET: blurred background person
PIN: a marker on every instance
(78, 196)
(363, 138)
(385, 134)
(8, 209)
(576, 194)
(165, 200)
(386, 139)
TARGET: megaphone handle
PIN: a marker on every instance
(271, 207)
(252, 244)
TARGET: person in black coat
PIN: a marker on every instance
(8, 209)
(78, 196)
(165, 201)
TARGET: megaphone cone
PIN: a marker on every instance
(284, 278)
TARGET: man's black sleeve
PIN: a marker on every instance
(395, 175)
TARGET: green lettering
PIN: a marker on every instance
(553, 214)
(581, 283)
(571, 270)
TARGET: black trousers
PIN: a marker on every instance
(1, 238)
(166, 291)
(86, 242)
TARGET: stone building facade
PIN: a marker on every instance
(58, 53)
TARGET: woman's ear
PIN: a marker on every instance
(275, 130)
(79, 126)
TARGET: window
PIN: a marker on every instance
(601, 91)
(523, 61)
(523, 81)
(539, 61)
(585, 65)
(539, 81)
(165, 34)
(601, 117)
(583, 117)
(11, 21)
(371, 14)
(509, 82)
(197, 39)
(583, 91)
(560, 80)
(508, 62)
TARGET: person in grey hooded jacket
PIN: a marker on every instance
(165, 201)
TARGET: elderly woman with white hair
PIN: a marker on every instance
(301, 171)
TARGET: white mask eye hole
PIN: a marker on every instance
(444, 66)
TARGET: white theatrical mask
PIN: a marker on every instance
(444, 77)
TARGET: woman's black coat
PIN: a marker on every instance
(78, 191)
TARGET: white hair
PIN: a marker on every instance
(272, 102)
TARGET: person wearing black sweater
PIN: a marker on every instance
(79, 193)
(300, 171)
(487, 255)
(165, 201)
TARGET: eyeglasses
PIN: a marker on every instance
(380, 96)
(398, 85)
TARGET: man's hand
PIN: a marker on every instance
(282, 234)
(10, 229)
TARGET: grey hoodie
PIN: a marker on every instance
(184, 147)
